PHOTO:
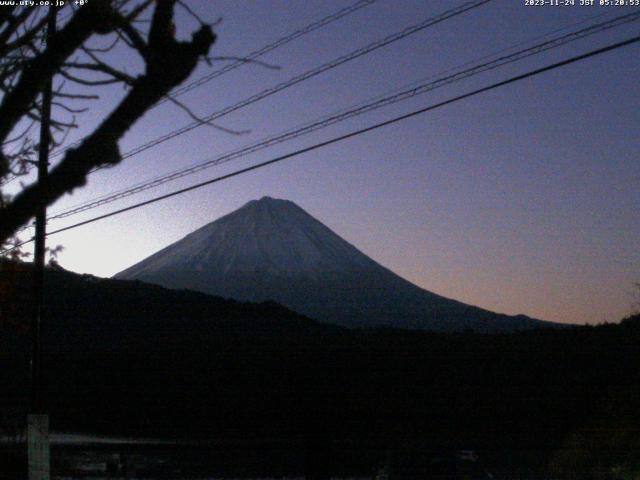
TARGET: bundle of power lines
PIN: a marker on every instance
(469, 69)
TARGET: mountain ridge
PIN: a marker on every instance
(272, 249)
(252, 218)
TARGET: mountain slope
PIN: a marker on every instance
(272, 249)
(129, 358)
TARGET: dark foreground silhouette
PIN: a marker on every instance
(127, 358)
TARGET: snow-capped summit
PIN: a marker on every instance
(264, 236)
(271, 249)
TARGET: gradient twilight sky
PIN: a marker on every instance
(521, 200)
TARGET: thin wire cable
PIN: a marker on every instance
(378, 97)
(309, 74)
(355, 133)
(314, 72)
(304, 76)
(326, 121)
(323, 22)
(272, 46)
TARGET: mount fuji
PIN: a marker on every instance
(272, 249)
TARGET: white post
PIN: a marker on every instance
(38, 446)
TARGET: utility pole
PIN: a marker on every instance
(38, 420)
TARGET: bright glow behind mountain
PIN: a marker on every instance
(272, 249)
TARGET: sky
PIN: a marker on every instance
(524, 199)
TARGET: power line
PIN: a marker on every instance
(343, 12)
(355, 133)
(304, 76)
(377, 103)
(272, 46)
(394, 91)
(310, 74)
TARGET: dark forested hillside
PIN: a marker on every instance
(130, 358)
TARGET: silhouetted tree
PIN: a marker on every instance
(605, 451)
(77, 66)
(636, 305)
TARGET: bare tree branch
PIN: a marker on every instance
(132, 37)
(13, 23)
(117, 76)
(69, 109)
(24, 39)
(92, 18)
(75, 96)
(270, 66)
(86, 82)
(196, 118)
(168, 63)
